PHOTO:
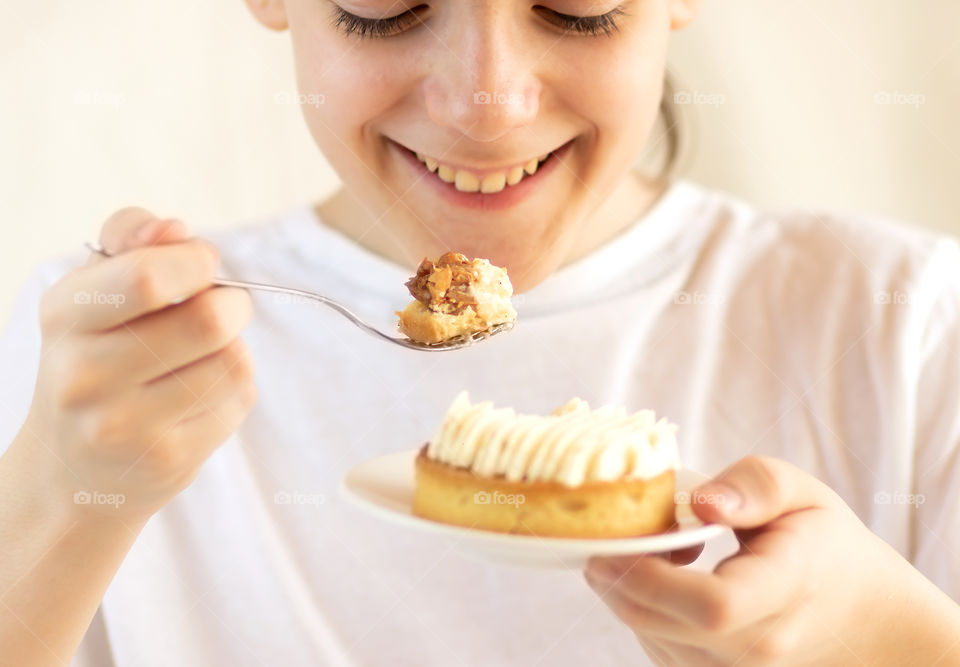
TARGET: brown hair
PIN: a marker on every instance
(671, 118)
(662, 155)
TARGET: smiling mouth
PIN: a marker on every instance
(488, 182)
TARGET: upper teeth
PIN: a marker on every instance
(466, 181)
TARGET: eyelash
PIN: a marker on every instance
(363, 28)
(587, 25)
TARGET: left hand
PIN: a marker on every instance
(809, 585)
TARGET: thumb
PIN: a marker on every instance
(134, 227)
(756, 490)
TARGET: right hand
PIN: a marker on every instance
(142, 373)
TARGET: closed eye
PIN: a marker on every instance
(606, 24)
(362, 27)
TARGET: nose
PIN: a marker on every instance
(483, 84)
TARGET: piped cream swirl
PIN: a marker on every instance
(573, 445)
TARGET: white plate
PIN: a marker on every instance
(384, 487)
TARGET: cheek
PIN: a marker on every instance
(618, 85)
(358, 83)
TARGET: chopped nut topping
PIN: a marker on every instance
(446, 286)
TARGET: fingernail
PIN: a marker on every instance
(721, 495)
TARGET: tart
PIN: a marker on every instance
(456, 296)
(574, 473)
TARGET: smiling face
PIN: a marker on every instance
(501, 129)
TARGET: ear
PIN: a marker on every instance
(271, 13)
(682, 13)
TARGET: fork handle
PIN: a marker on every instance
(225, 282)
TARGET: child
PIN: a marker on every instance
(155, 511)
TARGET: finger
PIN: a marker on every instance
(655, 583)
(665, 653)
(105, 294)
(742, 590)
(161, 342)
(215, 423)
(191, 390)
(645, 622)
(160, 232)
(683, 556)
(120, 229)
(203, 387)
(654, 651)
(177, 448)
(761, 563)
(135, 227)
(708, 602)
(757, 490)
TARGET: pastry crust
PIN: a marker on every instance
(426, 326)
(622, 508)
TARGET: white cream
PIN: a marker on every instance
(574, 445)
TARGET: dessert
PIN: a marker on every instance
(455, 296)
(574, 473)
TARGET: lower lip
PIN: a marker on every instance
(509, 196)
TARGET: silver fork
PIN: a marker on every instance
(453, 344)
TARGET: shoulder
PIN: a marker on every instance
(820, 261)
(820, 236)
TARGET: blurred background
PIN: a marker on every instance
(182, 107)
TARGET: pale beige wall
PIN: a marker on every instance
(804, 117)
(173, 105)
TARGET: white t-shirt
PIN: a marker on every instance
(829, 341)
